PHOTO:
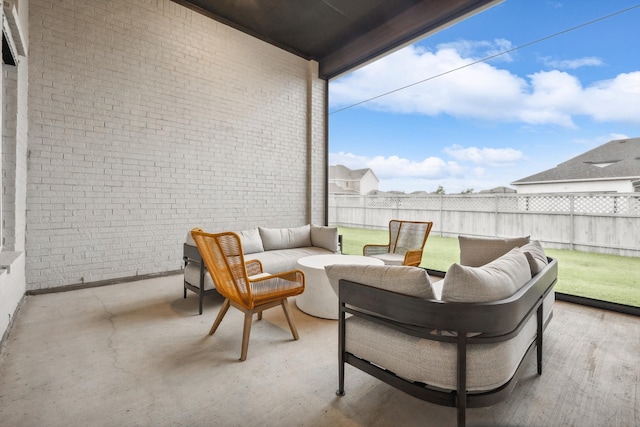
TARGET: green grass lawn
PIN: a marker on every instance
(605, 277)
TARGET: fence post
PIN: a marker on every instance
(364, 211)
(572, 219)
(441, 215)
(496, 212)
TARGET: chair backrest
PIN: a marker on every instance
(223, 255)
(407, 235)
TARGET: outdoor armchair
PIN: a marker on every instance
(244, 285)
(406, 243)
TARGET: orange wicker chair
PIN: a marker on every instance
(406, 243)
(244, 285)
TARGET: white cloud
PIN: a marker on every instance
(599, 140)
(485, 156)
(612, 100)
(480, 49)
(572, 64)
(395, 167)
(483, 91)
(467, 170)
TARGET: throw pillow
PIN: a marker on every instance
(324, 237)
(494, 281)
(285, 238)
(402, 279)
(535, 256)
(251, 241)
(477, 251)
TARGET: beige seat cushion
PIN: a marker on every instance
(535, 256)
(477, 251)
(285, 238)
(192, 276)
(402, 279)
(324, 237)
(494, 281)
(433, 362)
(389, 258)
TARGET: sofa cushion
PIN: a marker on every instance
(192, 276)
(251, 241)
(433, 362)
(477, 251)
(281, 260)
(189, 240)
(535, 256)
(389, 258)
(496, 280)
(285, 238)
(402, 279)
(324, 237)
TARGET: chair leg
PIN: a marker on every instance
(287, 314)
(260, 315)
(223, 310)
(248, 318)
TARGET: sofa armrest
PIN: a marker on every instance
(191, 253)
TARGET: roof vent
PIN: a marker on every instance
(601, 164)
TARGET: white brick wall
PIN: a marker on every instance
(14, 176)
(147, 119)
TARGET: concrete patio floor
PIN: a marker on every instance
(138, 354)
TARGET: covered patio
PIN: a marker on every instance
(126, 123)
(139, 354)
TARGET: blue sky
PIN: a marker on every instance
(494, 122)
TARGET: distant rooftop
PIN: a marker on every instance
(619, 158)
(340, 172)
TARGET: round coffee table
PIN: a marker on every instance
(319, 299)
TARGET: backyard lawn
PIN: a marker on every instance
(598, 276)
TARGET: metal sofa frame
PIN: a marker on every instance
(494, 321)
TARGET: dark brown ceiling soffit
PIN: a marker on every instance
(361, 47)
(415, 23)
(208, 14)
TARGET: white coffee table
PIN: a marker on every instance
(319, 299)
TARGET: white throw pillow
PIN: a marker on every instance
(324, 237)
(535, 256)
(251, 241)
(494, 281)
(402, 279)
(477, 251)
(285, 238)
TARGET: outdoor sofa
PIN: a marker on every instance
(459, 341)
(278, 249)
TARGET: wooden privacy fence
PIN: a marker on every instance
(604, 223)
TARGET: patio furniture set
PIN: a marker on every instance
(457, 338)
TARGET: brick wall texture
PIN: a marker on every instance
(147, 119)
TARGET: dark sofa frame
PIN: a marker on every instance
(495, 321)
(192, 253)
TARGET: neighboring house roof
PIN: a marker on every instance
(340, 172)
(499, 190)
(336, 189)
(617, 159)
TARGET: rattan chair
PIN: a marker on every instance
(244, 285)
(406, 243)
